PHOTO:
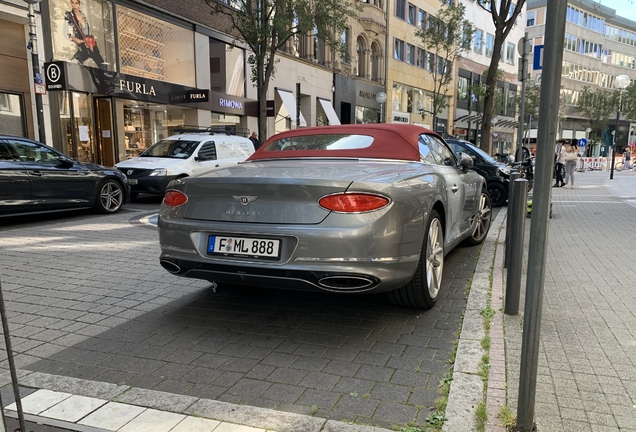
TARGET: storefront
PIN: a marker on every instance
(355, 100)
(106, 117)
(124, 76)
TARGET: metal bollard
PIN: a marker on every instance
(514, 175)
(517, 224)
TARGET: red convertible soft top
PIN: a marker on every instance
(390, 141)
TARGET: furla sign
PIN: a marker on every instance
(136, 87)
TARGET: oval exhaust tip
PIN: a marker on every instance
(346, 283)
(170, 266)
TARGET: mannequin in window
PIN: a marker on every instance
(78, 31)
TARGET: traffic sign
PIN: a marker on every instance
(537, 63)
(520, 47)
(582, 142)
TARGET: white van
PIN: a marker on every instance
(184, 155)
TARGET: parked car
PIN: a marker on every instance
(347, 209)
(35, 178)
(493, 171)
(186, 154)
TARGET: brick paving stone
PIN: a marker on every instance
(154, 330)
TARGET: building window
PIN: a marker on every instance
(478, 41)
(421, 19)
(490, 44)
(429, 61)
(400, 9)
(462, 89)
(153, 48)
(12, 119)
(375, 61)
(421, 55)
(510, 53)
(511, 109)
(398, 50)
(410, 54)
(412, 16)
(530, 17)
(345, 42)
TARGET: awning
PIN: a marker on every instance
(290, 105)
(331, 113)
(469, 118)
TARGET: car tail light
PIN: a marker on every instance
(175, 198)
(353, 202)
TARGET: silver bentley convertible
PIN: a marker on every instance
(349, 208)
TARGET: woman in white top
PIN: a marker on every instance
(571, 160)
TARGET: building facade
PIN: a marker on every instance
(409, 82)
(471, 71)
(599, 45)
(17, 95)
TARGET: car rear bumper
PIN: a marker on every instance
(360, 258)
(364, 277)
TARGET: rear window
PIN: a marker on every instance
(175, 149)
(321, 142)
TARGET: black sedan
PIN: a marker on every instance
(35, 178)
(487, 167)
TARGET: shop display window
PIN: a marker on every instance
(143, 124)
(12, 119)
(155, 49)
(82, 31)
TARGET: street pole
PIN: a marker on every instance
(523, 71)
(538, 241)
(621, 83)
(37, 77)
(618, 117)
(297, 105)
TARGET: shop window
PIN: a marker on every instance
(143, 124)
(366, 115)
(155, 49)
(12, 115)
(82, 31)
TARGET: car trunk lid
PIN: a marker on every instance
(263, 193)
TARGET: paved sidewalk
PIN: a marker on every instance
(587, 374)
(587, 357)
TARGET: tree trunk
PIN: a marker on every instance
(491, 95)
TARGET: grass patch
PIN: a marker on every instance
(481, 416)
(508, 419)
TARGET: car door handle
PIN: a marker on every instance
(454, 188)
(216, 166)
(36, 173)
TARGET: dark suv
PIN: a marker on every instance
(487, 167)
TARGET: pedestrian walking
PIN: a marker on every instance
(559, 163)
(627, 160)
(571, 160)
(255, 141)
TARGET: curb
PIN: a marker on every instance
(467, 388)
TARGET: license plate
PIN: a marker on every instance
(244, 247)
(132, 181)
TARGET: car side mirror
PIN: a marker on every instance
(200, 158)
(66, 161)
(466, 162)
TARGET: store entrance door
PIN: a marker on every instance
(104, 131)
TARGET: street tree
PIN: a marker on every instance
(531, 105)
(265, 26)
(504, 14)
(445, 37)
(596, 106)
